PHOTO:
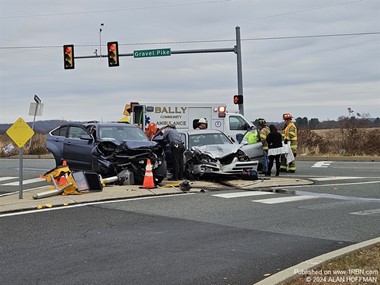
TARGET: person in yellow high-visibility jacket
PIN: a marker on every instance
(251, 136)
(289, 135)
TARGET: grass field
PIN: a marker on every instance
(344, 142)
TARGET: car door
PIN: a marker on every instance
(77, 148)
(254, 150)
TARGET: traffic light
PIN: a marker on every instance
(238, 99)
(68, 55)
(113, 54)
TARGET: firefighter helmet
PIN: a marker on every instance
(261, 122)
(151, 130)
(287, 116)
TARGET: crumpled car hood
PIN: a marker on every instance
(218, 150)
(135, 144)
(112, 157)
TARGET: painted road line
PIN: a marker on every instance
(326, 185)
(28, 181)
(57, 208)
(242, 194)
(331, 178)
(322, 164)
(284, 199)
(7, 178)
(366, 212)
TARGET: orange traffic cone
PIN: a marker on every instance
(62, 181)
(148, 178)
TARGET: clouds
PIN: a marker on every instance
(309, 77)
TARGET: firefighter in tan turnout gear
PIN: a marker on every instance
(289, 136)
(263, 132)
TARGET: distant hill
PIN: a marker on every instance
(39, 126)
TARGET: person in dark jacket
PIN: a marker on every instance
(275, 149)
(172, 137)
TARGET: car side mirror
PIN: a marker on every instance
(86, 137)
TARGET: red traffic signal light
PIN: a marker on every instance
(113, 54)
(68, 56)
(238, 99)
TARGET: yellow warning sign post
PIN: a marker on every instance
(20, 133)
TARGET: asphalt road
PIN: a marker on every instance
(216, 237)
(32, 169)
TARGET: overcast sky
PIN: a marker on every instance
(297, 56)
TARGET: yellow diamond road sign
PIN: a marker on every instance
(20, 132)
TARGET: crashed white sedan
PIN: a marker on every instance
(210, 153)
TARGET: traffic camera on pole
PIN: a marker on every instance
(68, 55)
(113, 54)
(238, 99)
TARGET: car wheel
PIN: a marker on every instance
(161, 172)
(189, 172)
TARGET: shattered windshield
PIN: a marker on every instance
(121, 133)
(208, 139)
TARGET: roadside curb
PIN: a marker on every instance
(11, 203)
(289, 273)
(266, 183)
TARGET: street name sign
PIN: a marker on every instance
(35, 109)
(151, 52)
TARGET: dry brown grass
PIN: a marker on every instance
(37, 147)
(344, 142)
(359, 267)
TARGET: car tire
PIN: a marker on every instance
(189, 173)
(161, 172)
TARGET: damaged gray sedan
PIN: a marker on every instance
(109, 149)
(211, 154)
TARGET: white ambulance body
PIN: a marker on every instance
(185, 116)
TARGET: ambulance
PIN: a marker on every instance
(185, 116)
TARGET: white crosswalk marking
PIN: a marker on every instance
(331, 178)
(366, 212)
(242, 194)
(284, 199)
(7, 178)
(24, 182)
(277, 200)
(322, 164)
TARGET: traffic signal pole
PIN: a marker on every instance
(239, 68)
(236, 49)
